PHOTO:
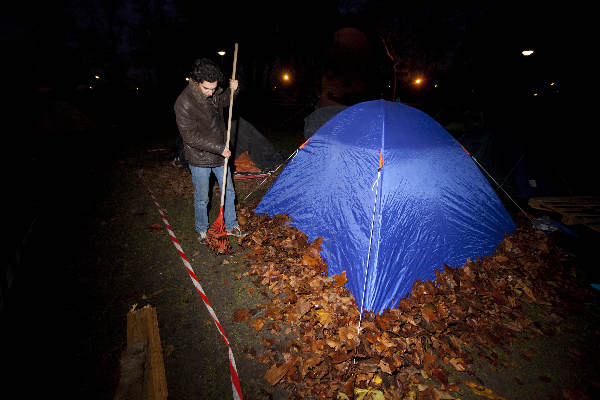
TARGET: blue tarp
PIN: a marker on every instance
(429, 205)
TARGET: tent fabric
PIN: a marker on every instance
(317, 118)
(246, 138)
(428, 206)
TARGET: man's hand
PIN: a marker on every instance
(233, 84)
(226, 153)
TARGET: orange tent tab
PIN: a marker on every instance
(304, 144)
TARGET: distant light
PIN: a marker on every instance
(535, 94)
(91, 87)
(551, 83)
(97, 76)
(286, 77)
(390, 86)
(435, 85)
(221, 52)
(527, 52)
(137, 88)
(418, 81)
(187, 79)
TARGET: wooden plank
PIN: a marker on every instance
(583, 210)
(133, 376)
(142, 332)
(579, 200)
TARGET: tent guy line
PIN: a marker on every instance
(275, 170)
(529, 216)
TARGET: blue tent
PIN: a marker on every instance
(393, 196)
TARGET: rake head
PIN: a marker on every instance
(216, 237)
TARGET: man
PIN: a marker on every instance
(199, 116)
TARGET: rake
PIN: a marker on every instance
(216, 237)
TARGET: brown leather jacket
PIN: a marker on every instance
(201, 125)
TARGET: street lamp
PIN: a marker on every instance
(221, 53)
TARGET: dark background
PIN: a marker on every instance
(63, 129)
(472, 51)
(468, 54)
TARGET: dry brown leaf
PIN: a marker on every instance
(316, 283)
(241, 314)
(258, 323)
(457, 363)
(309, 261)
(315, 246)
(432, 391)
(501, 258)
(368, 366)
(385, 367)
(483, 391)
(275, 373)
(340, 356)
(429, 313)
(306, 365)
(429, 360)
(324, 317)
(340, 280)
(439, 375)
(384, 322)
(302, 306)
(386, 340)
(528, 292)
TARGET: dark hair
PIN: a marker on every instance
(205, 69)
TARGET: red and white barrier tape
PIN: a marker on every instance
(235, 380)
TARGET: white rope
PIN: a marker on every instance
(500, 187)
(275, 170)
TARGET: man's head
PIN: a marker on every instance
(206, 74)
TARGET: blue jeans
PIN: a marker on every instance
(201, 179)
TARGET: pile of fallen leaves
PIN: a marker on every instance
(437, 328)
(245, 164)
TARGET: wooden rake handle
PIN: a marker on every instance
(224, 185)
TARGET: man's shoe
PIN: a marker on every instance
(202, 237)
(237, 232)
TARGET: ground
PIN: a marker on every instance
(97, 247)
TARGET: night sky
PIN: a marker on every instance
(150, 44)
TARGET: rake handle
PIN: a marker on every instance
(228, 127)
